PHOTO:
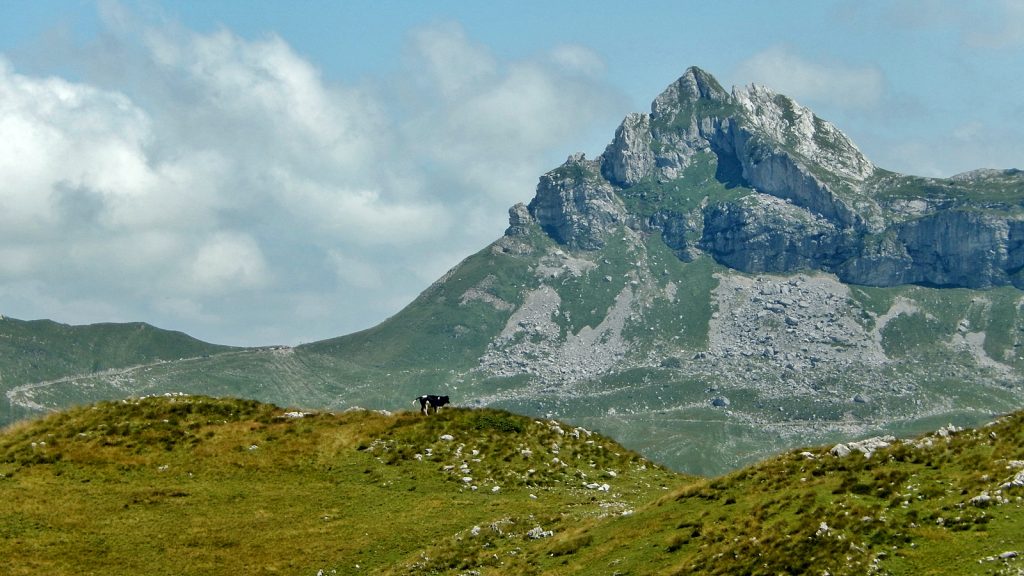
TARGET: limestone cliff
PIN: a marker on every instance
(783, 190)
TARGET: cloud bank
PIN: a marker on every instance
(220, 185)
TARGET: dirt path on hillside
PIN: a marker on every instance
(23, 396)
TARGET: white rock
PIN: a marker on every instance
(841, 451)
(447, 437)
(1017, 481)
(981, 500)
(537, 533)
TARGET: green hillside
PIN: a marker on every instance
(197, 485)
(36, 350)
(42, 350)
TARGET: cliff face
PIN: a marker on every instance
(575, 206)
(789, 192)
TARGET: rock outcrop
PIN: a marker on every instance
(576, 206)
(789, 192)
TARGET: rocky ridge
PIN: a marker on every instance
(805, 197)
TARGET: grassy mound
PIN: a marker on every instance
(196, 485)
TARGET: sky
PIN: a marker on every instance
(271, 172)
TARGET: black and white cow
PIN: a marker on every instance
(428, 401)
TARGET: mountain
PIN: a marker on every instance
(197, 485)
(730, 278)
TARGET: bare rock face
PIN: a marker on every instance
(783, 120)
(519, 220)
(576, 206)
(797, 194)
(960, 248)
(629, 157)
(762, 233)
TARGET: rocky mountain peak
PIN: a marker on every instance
(693, 86)
(761, 184)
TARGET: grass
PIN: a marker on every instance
(879, 514)
(40, 350)
(1003, 192)
(198, 485)
(702, 179)
(31, 351)
(439, 329)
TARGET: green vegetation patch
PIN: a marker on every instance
(225, 486)
(587, 298)
(450, 324)
(702, 179)
(1002, 191)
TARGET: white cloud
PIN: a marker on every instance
(578, 59)
(450, 65)
(219, 185)
(490, 139)
(836, 83)
(227, 262)
(991, 25)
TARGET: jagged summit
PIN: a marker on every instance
(694, 85)
(708, 168)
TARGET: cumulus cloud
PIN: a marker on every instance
(227, 262)
(840, 84)
(219, 185)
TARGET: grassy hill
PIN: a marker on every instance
(197, 485)
(41, 351)
(36, 350)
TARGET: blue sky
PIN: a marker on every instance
(281, 172)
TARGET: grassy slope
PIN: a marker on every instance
(223, 486)
(905, 510)
(194, 485)
(439, 329)
(41, 349)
